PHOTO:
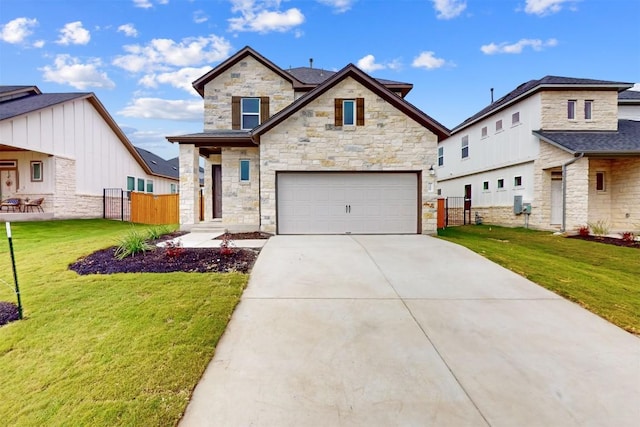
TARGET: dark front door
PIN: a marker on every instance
(217, 191)
(467, 197)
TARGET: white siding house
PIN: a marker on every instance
(549, 145)
(66, 148)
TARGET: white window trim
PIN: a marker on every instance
(590, 101)
(484, 135)
(498, 188)
(242, 113)
(464, 144)
(344, 111)
(575, 108)
(501, 126)
(517, 123)
(248, 171)
(514, 182)
(440, 156)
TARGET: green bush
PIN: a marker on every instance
(132, 243)
(157, 231)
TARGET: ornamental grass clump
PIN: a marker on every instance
(157, 231)
(600, 228)
(131, 244)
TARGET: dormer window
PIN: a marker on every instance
(249, 112)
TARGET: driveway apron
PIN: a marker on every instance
(410, 331)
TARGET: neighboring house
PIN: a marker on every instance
(309, 151)
(629, 105)
(554, 145)
(175, 164)
(66, 148)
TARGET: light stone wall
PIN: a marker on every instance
(550, 159)
(604, 111)
(246, 78)
(189, 186)
(625, 194)
(501, 215)
(240, 200)
(308, 141)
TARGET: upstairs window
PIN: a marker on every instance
(588, 107)
(440, 156)
(571, 109)
(349, 112)
(248, 112)
(484, 132)
(465, 146)
(517, 181)
(498, 125)
(501, 183)
(515, 118)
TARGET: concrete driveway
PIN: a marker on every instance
(410, 331)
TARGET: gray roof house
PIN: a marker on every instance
(554, 153)
(309, 151)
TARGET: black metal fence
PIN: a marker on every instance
(116, 204)
(457, 211)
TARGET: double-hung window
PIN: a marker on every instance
(440, 156)
(571, 109)
(465, 146)
(248, 112)
(588, 107)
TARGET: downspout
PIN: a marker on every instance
(564, 189)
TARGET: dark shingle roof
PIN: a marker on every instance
(629, 97)
(17, 106)
(532, 86)
(316, 76)
(157, 164)
(625, 141)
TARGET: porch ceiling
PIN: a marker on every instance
(10, 148)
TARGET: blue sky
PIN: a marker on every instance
(140, 56)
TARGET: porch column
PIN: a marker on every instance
(189, 187)
(577, 194)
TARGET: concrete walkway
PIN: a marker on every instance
(410, 331)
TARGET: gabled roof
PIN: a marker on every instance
(157, 164)
(533, 86)
(629, 97)
(315, 76)
(200, 83)
(371, 84)
(624, 141)
(35, 100)
(7, 92)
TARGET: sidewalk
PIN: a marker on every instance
(208, 240)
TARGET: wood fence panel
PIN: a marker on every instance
(155, 208)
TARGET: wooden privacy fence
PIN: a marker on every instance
(154, 209)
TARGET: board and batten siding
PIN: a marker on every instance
(76, 131)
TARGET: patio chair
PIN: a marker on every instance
(35, 203)
(12, 203)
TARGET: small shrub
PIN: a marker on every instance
(173, 249)
(583, 230)
(628, 236)
(600, 228)
(157, 231)
(8, 312)
(226, 245)
(132, 243)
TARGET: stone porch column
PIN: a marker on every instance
(189, 187)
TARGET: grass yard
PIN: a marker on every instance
(102, 350)
(602, 278)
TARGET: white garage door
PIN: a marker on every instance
(337, 203)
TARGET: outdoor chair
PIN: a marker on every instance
(35, 203)
(12, 203)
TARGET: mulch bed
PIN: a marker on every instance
(168, 260)
(608, 240)
(254, 235)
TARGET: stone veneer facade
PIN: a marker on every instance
(309, 141)
(65, 202)
(554, 110)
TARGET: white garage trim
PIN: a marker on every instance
(348, 202)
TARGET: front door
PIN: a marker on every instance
(8, 182)
(217, 191)
(556, 202)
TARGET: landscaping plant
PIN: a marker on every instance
(134, 242)
(628, 236)
(8, 312)
(600, 228)
(583, 230)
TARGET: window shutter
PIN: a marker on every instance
(264, 109)
(360, 111)
(235, 112)
(338, 112)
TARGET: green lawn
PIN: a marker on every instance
(602, 278)
(102, 350)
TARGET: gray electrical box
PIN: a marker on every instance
(517, 205)
(526, 208)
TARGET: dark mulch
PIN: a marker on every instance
(8, 312)
(254, 235)
(608, 241)
(171, 259)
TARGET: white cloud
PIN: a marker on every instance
(636, 87)
(17, 30)
(146, 4)
(448, 9)
(180, 79)
(161, 54)
(129, 30)
(165, 109)
(74, 33)
(545, 7)
(256, 16)
(69, 70)
(428, 61)
(518, 47)
(368, 64)
(39, 43)
(339, 6)
(200, 16)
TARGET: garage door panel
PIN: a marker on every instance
(337, 203)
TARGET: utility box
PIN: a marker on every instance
(517, 205)
(526, 208)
